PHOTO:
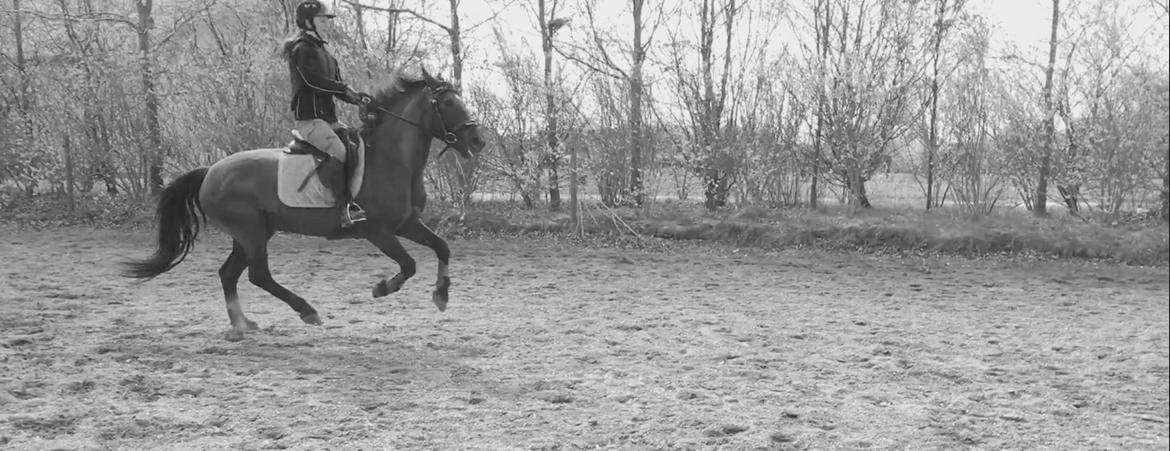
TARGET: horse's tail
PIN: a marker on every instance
(178, 226)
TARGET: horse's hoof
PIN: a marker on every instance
(251, 324)
(440, 295)
(382, 288)
(312, 318)
(234, 335)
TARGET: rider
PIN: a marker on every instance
(316, 80)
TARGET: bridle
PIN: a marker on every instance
(448, 136)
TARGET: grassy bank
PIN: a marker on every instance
(1012, 232)
(1145, 242)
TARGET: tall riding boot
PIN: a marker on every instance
(332, 174)
(352, 144)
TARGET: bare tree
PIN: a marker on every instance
(15, 167)
(598, 58)
(863, 77)
(548, 23)
(1109, 109)
(637, 94)
(971, 161)
(24, 96)
(822, 18)
(945, 12)
(704, 94)
(149, 75)
(516, 159)
(1040, 199)
(151, 153)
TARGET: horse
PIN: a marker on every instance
(238, 195)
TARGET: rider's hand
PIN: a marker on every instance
(363, 98)
(354, 96)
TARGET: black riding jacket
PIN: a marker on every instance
(315, 80)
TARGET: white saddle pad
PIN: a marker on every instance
(292, 170)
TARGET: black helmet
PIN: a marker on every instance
(307, 10)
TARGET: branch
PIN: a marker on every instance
(183, 21)
(113, 18)
(604, 58)
(419, 16)
(1014, 57)
(1163, 4)
(490, 19)
(593, 67)
(96, 17)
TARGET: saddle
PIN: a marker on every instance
(297, 182)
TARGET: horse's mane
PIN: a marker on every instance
(401, 85)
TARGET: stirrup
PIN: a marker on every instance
(351, 214)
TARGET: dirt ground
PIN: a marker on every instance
(548, 347)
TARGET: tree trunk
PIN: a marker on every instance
(24, 102)
(154, 131)
(67, 148)
(464, 170)
(104, 168)
(574, 206)
(1040, 199)
(1071, 194)
(717, 164)
(361, 25)
(717, 187)
(862, 196)
(637, 189)
(1166, 188)
(456, 35)
(18, 31)
(855, 185)
(552, 141)
(823, 17)
(812, 189)
(392, 29)
(932, 138)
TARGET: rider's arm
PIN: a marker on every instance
(349, 96)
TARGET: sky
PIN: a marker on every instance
(1019, 27)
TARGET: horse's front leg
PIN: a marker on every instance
(415, 230)
(389, 245)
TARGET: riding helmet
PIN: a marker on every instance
(307, 10)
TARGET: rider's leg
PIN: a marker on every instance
(352, 145)
(332, 171)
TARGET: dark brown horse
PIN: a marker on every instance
(238, 194)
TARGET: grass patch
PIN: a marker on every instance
(949, 231)
(944, 231)
(98, 210)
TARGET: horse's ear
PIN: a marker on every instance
(427, 76)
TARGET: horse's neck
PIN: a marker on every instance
(397, 143)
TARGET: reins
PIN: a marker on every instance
(449, 137)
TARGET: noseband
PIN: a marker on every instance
(448, 136)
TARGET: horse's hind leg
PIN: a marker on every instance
(418, 232)
(256, 247)
(229, 276)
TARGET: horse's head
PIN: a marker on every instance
(455, 126)
(433, 105)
